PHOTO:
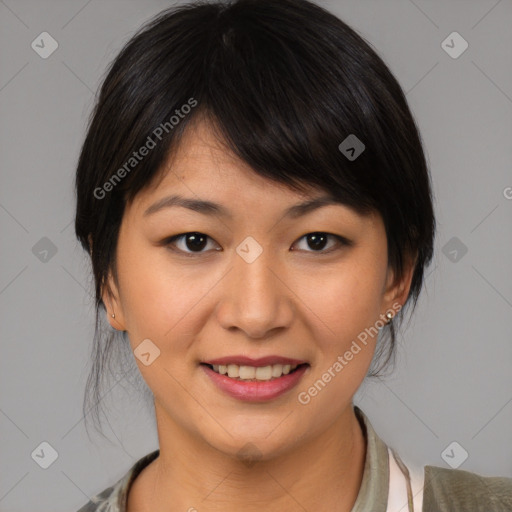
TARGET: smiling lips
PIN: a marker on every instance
(255, 379)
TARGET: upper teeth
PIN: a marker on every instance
(252, 372)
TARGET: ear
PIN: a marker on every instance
(111, 300)
(89, 238)
(396, 290)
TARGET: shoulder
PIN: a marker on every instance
(437, 489)
(113, 498)
(451, 490)
(107, 500)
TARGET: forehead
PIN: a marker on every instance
(202, 168)
(202, 163)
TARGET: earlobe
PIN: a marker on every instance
(115, 319)
(112, 304)
(108, 297)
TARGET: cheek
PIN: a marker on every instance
(345, 310)
(161, 301)
(344, 301)
(146, 293)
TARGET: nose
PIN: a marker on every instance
(255, 298)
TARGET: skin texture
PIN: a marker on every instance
(294, 300)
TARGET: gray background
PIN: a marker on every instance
(453, 380)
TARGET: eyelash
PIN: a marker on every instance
(169, 242)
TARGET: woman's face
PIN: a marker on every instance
(252, 284)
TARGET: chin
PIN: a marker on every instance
(254, 443)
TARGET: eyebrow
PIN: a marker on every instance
(211, 208)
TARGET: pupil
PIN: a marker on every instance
(195, 241)
(317, 240)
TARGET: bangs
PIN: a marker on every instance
(282, 100)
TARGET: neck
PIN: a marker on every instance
(324, 474)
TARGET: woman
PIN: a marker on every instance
(254, 196)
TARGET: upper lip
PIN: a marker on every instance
(248, 361)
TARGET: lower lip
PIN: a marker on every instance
(257, 391)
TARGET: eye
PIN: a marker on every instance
(193, 242)
(318, 240)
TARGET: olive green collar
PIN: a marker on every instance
(373, 494)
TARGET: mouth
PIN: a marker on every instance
(255, 380)
(249, 373)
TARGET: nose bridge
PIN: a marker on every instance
(255, 300)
